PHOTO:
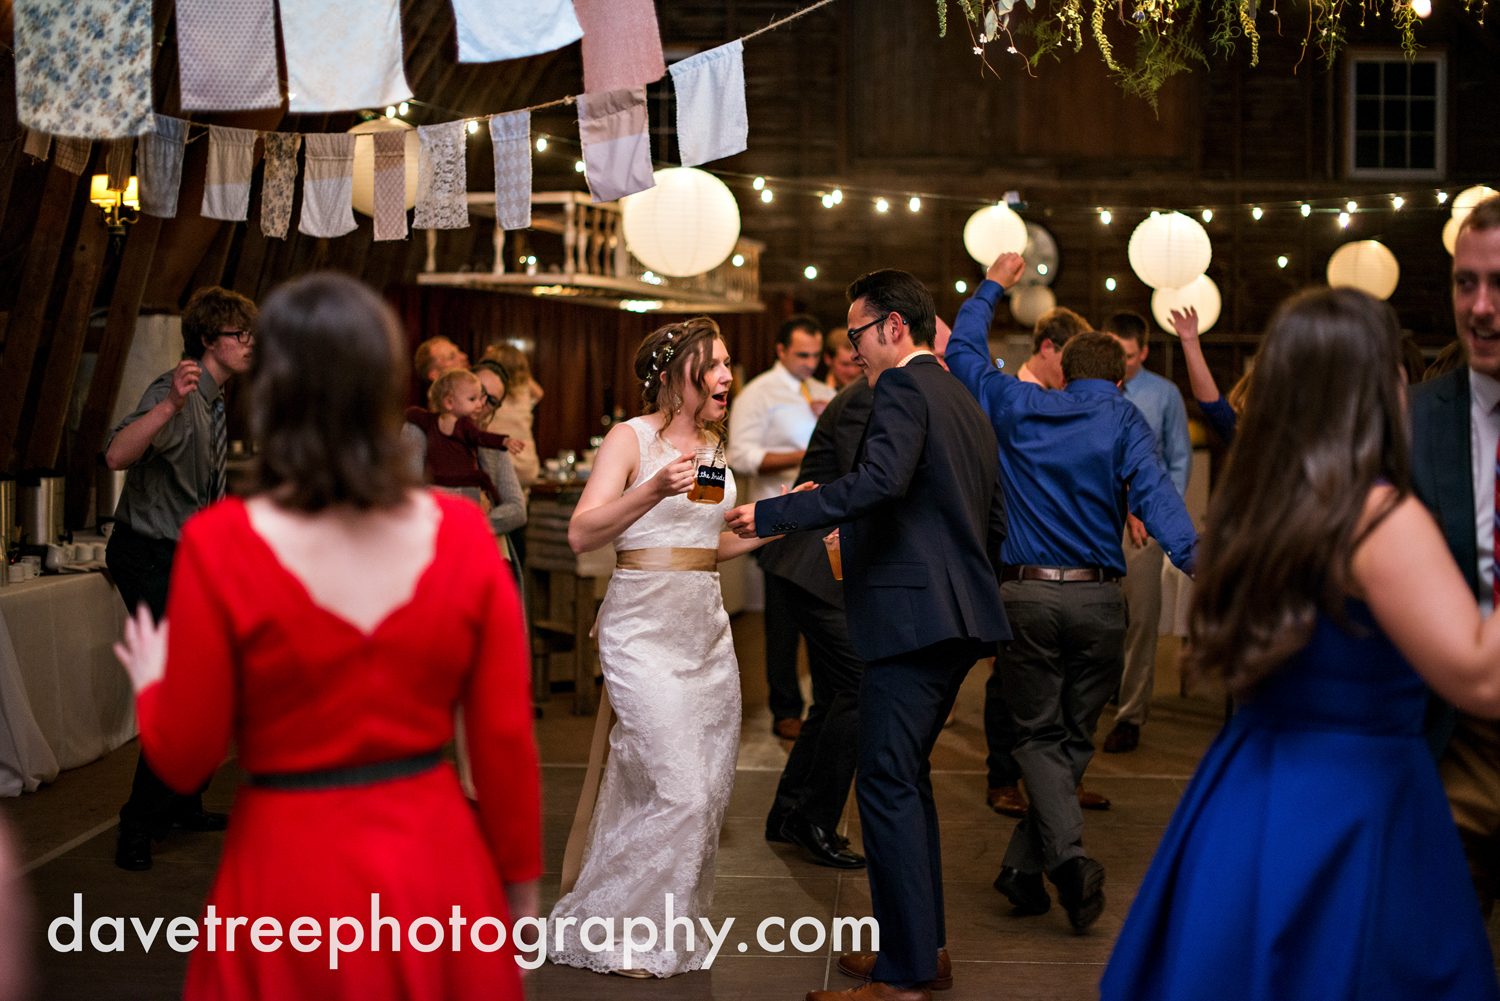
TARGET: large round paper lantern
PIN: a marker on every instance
(1450, 234)
(686, 225)
(1202, 294)
(1470, 197)
(1367, 265)
(1169, 250)
(364, 162)
(1029, 302)
(1041, 256)
(993, 231)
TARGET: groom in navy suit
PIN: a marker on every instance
(921, 519)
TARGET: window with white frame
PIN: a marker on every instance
(1397, 114)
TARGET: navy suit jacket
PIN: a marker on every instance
(921, 518)
(801, 557)
(1442, 477)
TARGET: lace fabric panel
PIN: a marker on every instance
(442, 178)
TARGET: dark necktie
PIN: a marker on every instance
(220, 449)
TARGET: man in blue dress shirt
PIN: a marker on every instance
(1071, 462)
(1161, 404)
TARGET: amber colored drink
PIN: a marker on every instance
(835, 556)
(708, 487)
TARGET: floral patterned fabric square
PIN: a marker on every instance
(226, 54)
(83, 67)
(280, 182)
(442, 177)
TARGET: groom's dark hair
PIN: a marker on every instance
(892, 291)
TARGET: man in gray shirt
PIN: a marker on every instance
(174, 448)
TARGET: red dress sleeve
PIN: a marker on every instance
(498, 715)
(186, 718)
(468, 432)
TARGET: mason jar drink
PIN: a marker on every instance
(708, 486)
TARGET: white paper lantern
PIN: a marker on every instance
(1202, 294)
(686, 225)
(1029, 302)
(1470, 197)
(1170, 250)
(1450, 234)
(993, 231)
(1367, 265)
(364, 162)
(1041, 256)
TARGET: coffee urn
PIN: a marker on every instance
(42, 501)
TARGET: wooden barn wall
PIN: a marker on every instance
(861, 95)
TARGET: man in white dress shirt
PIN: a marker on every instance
(770, 424)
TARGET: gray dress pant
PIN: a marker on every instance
(1142, 587)
(1057, 674)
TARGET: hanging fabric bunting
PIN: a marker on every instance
(83, 67)
(328, 190)
(621, 44)
(117, 163)
(511, 135)
(280, 182)
(491, 30)
(442, 178)
(711, 118)
(390, 185)
(38, 144)
(160, 166)
(72, 155)
(226, 54)
(616, 148)
(342, 55)
(231, 161)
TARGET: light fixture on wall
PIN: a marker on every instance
(114, 203)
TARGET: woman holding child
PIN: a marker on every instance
(668, 660)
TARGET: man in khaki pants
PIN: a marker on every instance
(1455, 439)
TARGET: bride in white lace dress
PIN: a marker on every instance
(668, 661)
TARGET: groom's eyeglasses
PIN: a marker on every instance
(854, 334)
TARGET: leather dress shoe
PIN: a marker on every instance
(873, 990)
(133, 850)
(1092, 800)
(1007, 800)
(774, 820)
(859, 964)
(201, 820)
(1025, 890)
(1124, 737)
(1080, 889)
(787, 729)
(824, 845)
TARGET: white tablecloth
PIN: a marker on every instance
(64, 699)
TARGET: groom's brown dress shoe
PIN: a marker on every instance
(873, 991)
(1007, 800)
(859, 965)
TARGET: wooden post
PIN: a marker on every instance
(24, 331)
(67, 340)
(114, 348)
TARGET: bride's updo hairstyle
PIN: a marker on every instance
(675, 356)
(1325, 423)
(328, 375)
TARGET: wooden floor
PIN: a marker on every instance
(67, 838)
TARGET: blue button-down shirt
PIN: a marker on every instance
(1068, 457)
(1161, 404)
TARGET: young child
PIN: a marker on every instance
(453, 439)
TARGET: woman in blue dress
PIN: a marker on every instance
(1313, 855)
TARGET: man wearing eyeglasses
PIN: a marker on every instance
(175, 450)
(921, 520)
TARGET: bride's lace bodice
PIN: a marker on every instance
(676, 521)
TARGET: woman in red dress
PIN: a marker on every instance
(330, 624)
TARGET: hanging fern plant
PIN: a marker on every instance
(1166, 30)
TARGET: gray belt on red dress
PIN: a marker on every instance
(345, 778)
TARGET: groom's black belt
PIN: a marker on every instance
(344, 778)
(1061, 575)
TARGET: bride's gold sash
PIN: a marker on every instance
(667, 559)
